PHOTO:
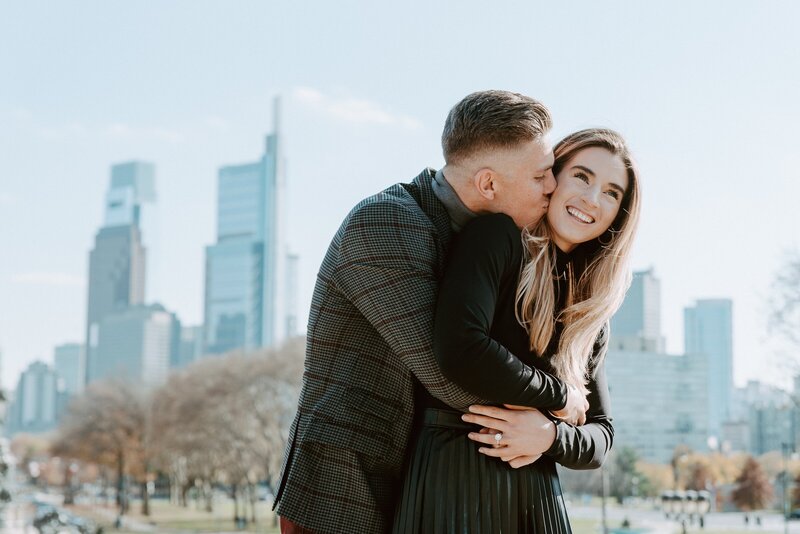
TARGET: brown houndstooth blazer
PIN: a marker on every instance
(370, 331)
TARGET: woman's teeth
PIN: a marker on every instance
(580, 215)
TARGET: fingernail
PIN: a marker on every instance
(482, 449)
(471, 435)
(465, 417)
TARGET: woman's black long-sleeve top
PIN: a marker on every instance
(481, 346)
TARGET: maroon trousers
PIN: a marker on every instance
(287, 527)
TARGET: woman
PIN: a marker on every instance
(551, 316)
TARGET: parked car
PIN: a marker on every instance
(52, 520)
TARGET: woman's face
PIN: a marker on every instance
(587, 198)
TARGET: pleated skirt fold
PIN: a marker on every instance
(451, 488)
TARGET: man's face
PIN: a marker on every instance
(523, 181)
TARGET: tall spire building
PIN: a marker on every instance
(244, 304)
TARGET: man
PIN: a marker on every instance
(371, 322)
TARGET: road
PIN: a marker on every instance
(16, 518)
(655, 522)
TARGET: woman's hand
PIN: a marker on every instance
(574, 412)
(525, 433)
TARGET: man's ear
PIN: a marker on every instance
(485, 181)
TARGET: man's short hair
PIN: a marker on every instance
(492, 119)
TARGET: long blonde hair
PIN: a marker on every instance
(598, 292)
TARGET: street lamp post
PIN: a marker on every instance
(691, 504)
(703, 506)
(681, 506)
(604, 493)
(786, 449)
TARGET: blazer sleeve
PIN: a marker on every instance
(387, 260)
(485, 257)
(586, 447)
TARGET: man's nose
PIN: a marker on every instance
(549, 183)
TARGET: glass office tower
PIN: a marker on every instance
(243, 268)
(708, 332)
(117, 261)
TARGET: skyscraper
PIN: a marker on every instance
(658, 402)
(117, 261)
(708, 333)
(131, 192)
(637, 323)
(190, 348)
(292, 265)
(69, 366)
(137, 344)
(36, 401)
(243, 307)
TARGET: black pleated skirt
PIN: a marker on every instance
(449, 487)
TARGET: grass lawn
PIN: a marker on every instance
(591, 526)
(166, 517)
(585, 526)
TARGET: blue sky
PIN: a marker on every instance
(706, 94)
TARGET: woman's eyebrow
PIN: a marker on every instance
(587, 170)
(618, 187)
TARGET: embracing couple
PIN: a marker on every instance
(457, 334)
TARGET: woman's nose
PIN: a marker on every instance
(592, 197)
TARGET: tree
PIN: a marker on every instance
(785, 305)
(220, 421)
(653, 478)
(5, 495)
(753, 490)
(679, 463)
(582, 482)
(623, 476)
(725, 468)
(225, 420)
(796, 493)
(29, 449)
(700, 477)
(108, 425)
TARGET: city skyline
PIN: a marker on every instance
(119, 211)
(709, 118)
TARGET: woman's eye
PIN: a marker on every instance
(581, 176)
(613, 194)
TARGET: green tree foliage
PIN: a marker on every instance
(624, 476)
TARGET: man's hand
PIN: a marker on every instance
(525, 433)
(574, 412)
